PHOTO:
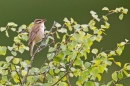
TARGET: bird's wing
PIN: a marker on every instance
(33, 33)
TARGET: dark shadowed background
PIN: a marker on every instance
(25, 11)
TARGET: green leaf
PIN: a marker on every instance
(63, 84)
(114, 76)
(2, 29)
(10, 48)
(76, 27)
(118, 63)
(98, 77)
(94, 51)
(101, 69)
(98, 38)
(57, 35)
(62, 69)
(66, 20)
(128, 67)
(78, 62)
(3, 50)
(17, 40)
(46, 84)
(23, 72)
(126, 73)
(119, 50)
(125, 11)
(107, 25)
(9, 58)
(12, 24)
(105, 8)
(57, 25)
(105, 18)
(16, 60)
(13, 29)
(89, 83)
(13, 53)
(87, 64)
(85, 27)
(121, 16)
(6, 33)
(62, 30)
(120, 75)
(24, 37)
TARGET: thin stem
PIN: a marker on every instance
(114, 84)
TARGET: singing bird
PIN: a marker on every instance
(36, 33)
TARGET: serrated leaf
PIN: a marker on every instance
(16, 60)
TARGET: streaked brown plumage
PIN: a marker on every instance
(36, 33)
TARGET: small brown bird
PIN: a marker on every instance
(36, 33)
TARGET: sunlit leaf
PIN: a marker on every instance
(2, 29)
(57, 35)
(105, 8)
(118, 63)
(62, 30)
(121, 16)
(94, 51)
(16, 60)
(9, 58)
(57, 25)
(89, 83)
(13, 29)
(23, 72)
(125, 11)
(114, 76)
(12, 24)
(6, 33)
(13, 53)
(3, 50)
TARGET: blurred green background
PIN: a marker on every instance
(25, 11)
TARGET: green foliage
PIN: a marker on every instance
(66, 59)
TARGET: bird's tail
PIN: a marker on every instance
(31, 48)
